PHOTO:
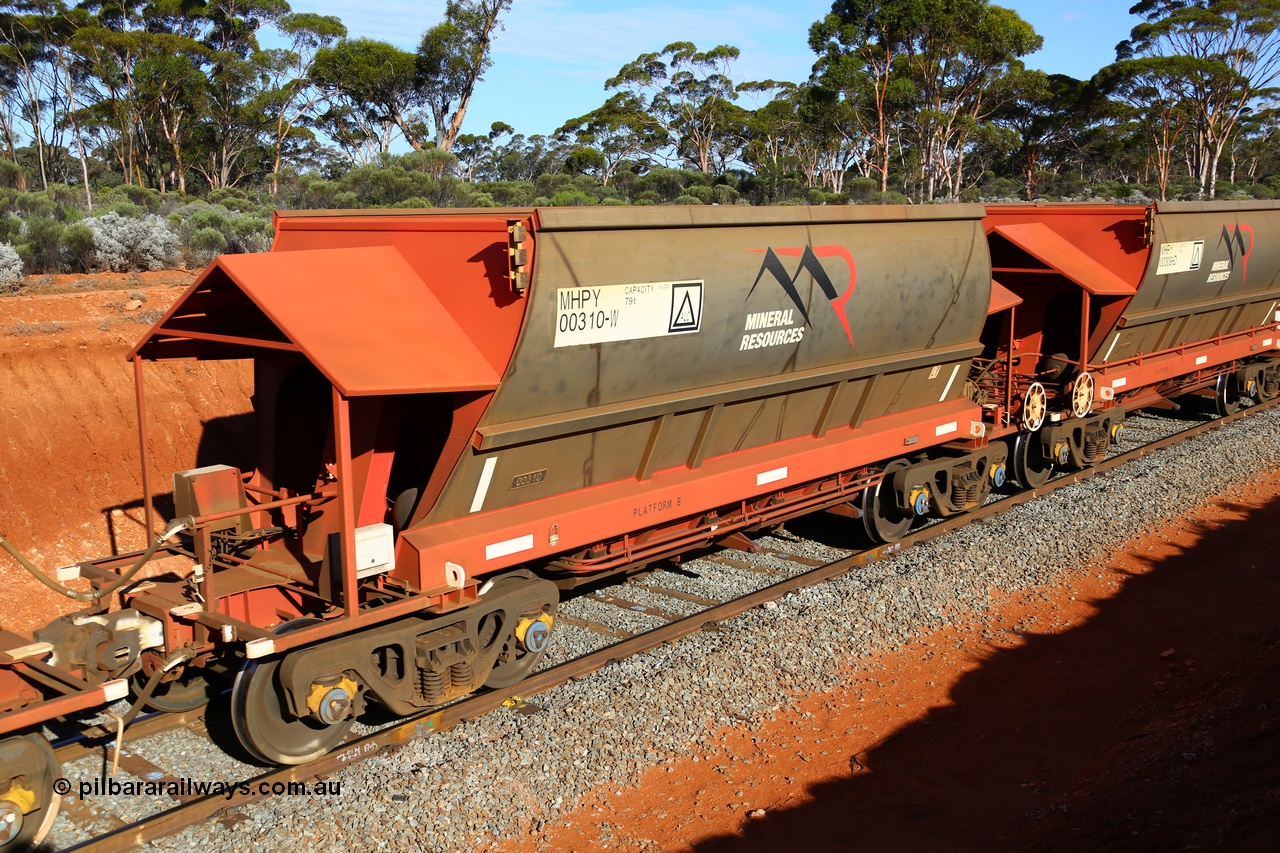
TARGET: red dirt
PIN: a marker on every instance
(1134, 706)
(70, 481)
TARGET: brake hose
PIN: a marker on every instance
(176, 527)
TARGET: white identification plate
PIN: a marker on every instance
(1180, 257)
(627, 312)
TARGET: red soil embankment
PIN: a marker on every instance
(70, 479)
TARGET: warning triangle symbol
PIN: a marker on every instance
(685, 315)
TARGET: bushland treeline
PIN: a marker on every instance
(130, 112)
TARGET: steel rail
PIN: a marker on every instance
(421, 725)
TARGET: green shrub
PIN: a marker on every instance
(890, 197)
(724, 194)
(572, 198)
(861, 190)
(10, 228)
(42, 241)
(124, 207)
(510, 193)
(12, 175)
(77, 242)
(205, 244)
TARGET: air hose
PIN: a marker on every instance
(176, 527)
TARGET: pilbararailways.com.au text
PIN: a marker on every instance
(180, 788)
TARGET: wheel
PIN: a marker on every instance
(1226, 395)
(1031, 468)
(262, 722)
(33, 758)
(187, 692)
(1082, 395)
(517, 658)
(881, 518)
(1035, 403)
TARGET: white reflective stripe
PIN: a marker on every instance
(508, 547)
(1201, 360)
(1267, 342)
(31, 650)
(1114, 341)
(944, 429)
(259, 648)
(771, 476)
(482, 487)
(1119, 383)
(115, 690)
(946, 390)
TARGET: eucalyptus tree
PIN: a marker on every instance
(1220, 57)
(473, 152)
(1044, 113)
(830, 143)
(964, 63)
(372, 96)
(619, 132)
(292, 97)
(235, 121)
(26, 47)
(1153, 89)
(110, 45)
(859, 47)
(452, 57)
(774, 126)
(688, 96)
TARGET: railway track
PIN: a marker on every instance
(121, 831)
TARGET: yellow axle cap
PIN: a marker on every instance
(319, 691)
(525, 623)
(21, 797)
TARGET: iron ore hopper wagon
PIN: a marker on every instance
(461, 413)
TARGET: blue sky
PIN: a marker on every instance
(551, 61)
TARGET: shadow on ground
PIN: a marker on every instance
(1097, 738)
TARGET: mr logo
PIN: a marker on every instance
(1234, 238)
(810, 263)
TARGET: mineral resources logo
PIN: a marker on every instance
(1234, 238)
(780, 326)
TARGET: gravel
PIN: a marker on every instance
(505, 775)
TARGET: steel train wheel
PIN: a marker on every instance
(881, 518)
(22, 832)
(187, 692)
(1031, 468)
(515, 661)
(262, 722)
(1226, 395)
